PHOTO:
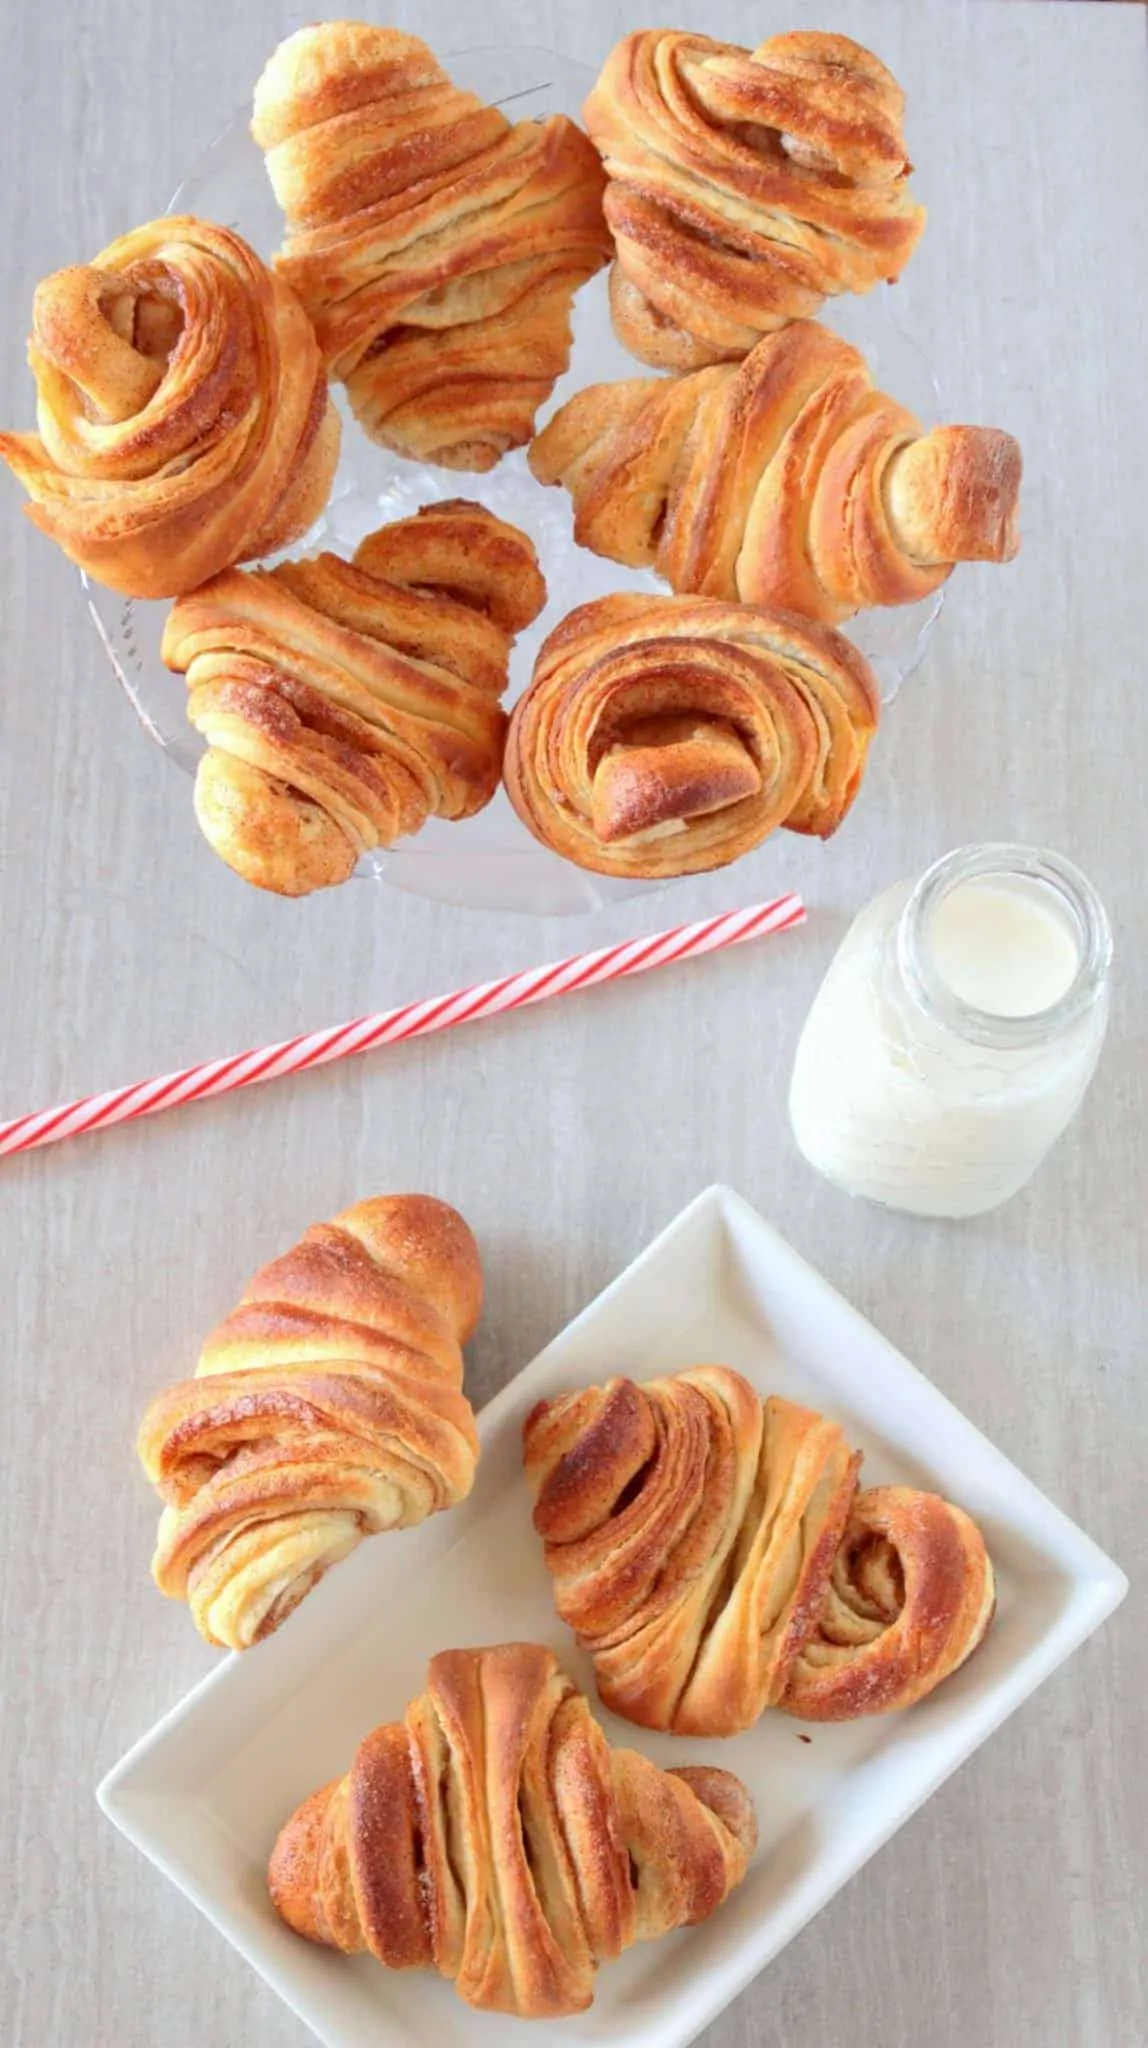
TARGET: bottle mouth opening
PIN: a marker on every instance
(1041, 873)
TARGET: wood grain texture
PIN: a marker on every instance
(1005, 1915)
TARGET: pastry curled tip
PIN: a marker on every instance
(293, 1861)
(681, 772)
(330, 68)
(727, 1798)
(270, 834)
(492, 566)
(953, 496)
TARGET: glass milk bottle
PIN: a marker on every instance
(955, 1033)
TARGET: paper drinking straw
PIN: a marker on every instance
(392, 1027)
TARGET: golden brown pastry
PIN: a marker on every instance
(668, 735)
(494, 1835)
(344, 703)
(435, 246)
(911, 1595)
(746, 187)
(326, 1407)
(184, 420)
(711, 1552)
(785, 479)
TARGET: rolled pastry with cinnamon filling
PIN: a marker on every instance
(745, 187)
(184, 422)
(786, 479)
(345, 703)
(666, 736)
(436, 247)
(494, 1835)
(712, 1554)
(326, 1407)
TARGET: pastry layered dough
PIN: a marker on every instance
(711, 1552)
(786, 479)
(326, 1407)
(184, 420)
(344, 703)
(667, 735)
(746, 187)
(435, 246)
(494, 1835)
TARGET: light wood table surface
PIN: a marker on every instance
(1005, 1915)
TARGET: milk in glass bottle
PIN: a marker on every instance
(955, 1033)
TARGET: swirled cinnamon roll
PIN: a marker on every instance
(184, 422)
(666, 736)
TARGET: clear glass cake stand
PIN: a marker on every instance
(489, 862)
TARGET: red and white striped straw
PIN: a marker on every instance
(391, 1027)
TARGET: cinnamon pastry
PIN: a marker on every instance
(326, 1407)
(344, 703)
(493, 1835)
(184, 420)
(786, 479)
(435, 247)
(746, 187)
(667, 735)
(711, 1552)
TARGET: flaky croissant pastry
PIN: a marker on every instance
(435, 246)
(669, 735)
(785, 479)
(326, 1407)
(344, 703)
(711, 1552)
(184, 420)
(494, 1835)
(746, 187)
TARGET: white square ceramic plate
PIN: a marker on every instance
(205, 1793)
